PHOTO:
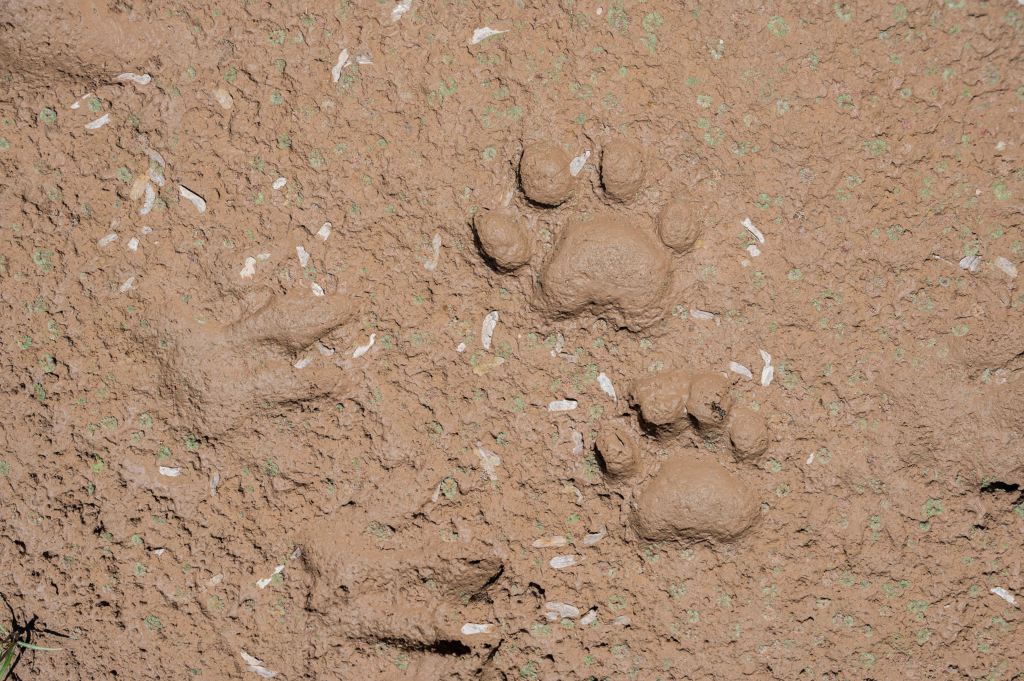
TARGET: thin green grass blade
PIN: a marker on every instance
(34, 647)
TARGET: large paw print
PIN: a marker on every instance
(214, 374)
(685, 498)
(617, 269)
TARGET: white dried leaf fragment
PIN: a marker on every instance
(487, 330)
(317, 289)
(264, 582)
(362, 349)
(753, 230)
(489, 461)
(606, 385)
(325, 231)
(484, 33)
(563, 405)
(170, 472)
(303, 256)
(753, 250)
(140, 80)
(431, 263)
(223, 98)
(193, 198)
(147, 205)
(262, 256)
(563, 609)
(127, 285)
(342, 63)
(98, 123)
(157, 177)
(469, 628)
(1006, 266)
(279, 182)
(589, 617)
(461, 347)
(592, 539)
(133, 244)
(620, 621)
(970, 263)
(249, 269)
(324, 350)
(107, 239)
(768, 373)
(560, 562)
(701, 314)
(364, 58)
(577, 163)
(550, 542)
(303, 363)
(810, 459)
(155, 156)
(577, 442)
(257, 666)
(740, 369)
(214, 482)
(1004, 594)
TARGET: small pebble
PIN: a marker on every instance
(133, 244)
(223, 98)
(562, 405)
(280, 182)
(249, 269)
(170, 472)
(469, 628)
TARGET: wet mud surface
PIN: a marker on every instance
(621, 340)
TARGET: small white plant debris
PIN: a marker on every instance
(571, 359)
(737, 368)
(701, 314)
(589, 617)
(577, 442)
(489, 461)
(324, 350)
(363, 58)
(563, 405)
(810, 459)
(560, 562)
(262, 256)
(461, 347)
(147, 230)
(159, 552)
(155, 156)
(279, 182)
(595, 537)
(469, 628)
(342, 63)
(1006, 266)
(83, 98)
(490, 321)
(325, 231)
(157, 177)
(139, 187)
(257, 666)
(127, 285)
(249, 269)
(170, 472)
(753, 230)
(317, 289)
(362, 349)
(396, 14)
(606, 385)
(193, 198)
(431, 263)
(147, 205)
(223, 97)
(138, 80)
(970, 263)
(559, 342)
(1004, 594)
(303, 363)
(1002, 145)
(550, 542)
(215, 580)
(303, 256)
(214, 483)
(577, 163)
(620, 621)
(133, 244)
(939, 257)
(575, 490)
(509, 193)
(484, 33)
(561, 610)
(768, 373)
(107, 239)
(753, 250)
(296, 554)
(98, 123)
(264, 582)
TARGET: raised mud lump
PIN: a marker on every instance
(618, 451)
(610, 269)
(748, 433)
(690, 499)
(544, 174)
(622, 169)
(503, 239)
(678, 226)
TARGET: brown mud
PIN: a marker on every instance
(636, 340)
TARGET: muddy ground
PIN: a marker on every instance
(277, 436)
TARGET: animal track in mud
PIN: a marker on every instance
(215, 374)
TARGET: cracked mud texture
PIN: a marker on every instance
(163, 454)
